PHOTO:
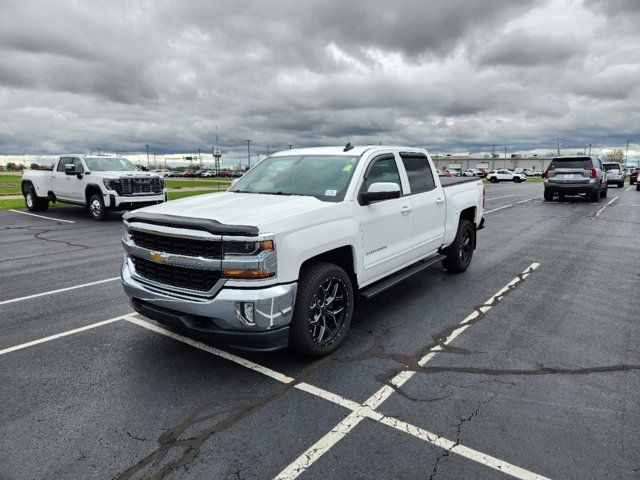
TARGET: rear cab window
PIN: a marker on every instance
(418, 172)
(611, 166)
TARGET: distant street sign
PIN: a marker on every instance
(188, 158)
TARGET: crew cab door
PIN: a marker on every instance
(427, 203)
(68, 187)
(386, 224)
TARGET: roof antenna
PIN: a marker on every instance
(348, 147)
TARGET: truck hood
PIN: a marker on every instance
(239, 208)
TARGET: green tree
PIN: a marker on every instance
(616, 156)
(11, 166)
(34, 166)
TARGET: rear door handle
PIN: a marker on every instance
(405, 209)
(439, 200)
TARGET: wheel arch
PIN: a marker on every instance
(343, 256)
(90, 190)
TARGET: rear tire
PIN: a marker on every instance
(517, 180)
(96, 206)
(637, 186)
(493, 180)
(603, 192)
(325, 299)
(548, 196)
(621, 184)
(33, 202)
(460, 252)
(595, 196)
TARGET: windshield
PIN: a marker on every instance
(109, 164)
(325, 177)
(610, 166)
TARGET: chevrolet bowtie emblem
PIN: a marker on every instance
(159, 257)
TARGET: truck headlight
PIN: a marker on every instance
(111, 183)
(245, 249)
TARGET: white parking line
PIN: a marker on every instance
(627, 189)
(42, 216)
(313, 453)
(60, 335)
(605, 206)
(498, 198)
(364, 410)
(66, 289)
(510, 205)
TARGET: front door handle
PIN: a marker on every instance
(439, 200)
(405, 209)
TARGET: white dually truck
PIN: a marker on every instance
(282, 257)
(101, 183)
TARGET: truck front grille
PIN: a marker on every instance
(181, 277)
(178, 246)
(133, 186)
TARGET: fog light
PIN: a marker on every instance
(244, 311)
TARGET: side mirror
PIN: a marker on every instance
(69, 169)
(380, 191)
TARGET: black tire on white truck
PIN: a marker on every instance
(460, 252)
(323, 310)
(96, 207)
(32, 201)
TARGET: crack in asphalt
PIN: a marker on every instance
(39, 237)
(459, 425)
(170, 439)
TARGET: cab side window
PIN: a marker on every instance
(64, 161)
(419, 172)
(381, 169)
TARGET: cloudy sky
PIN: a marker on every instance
(450, 75)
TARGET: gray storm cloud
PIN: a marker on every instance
(77, 76)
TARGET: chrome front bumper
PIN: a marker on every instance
(272, 306)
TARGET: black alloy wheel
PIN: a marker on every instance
(328, 311)
(323, 310)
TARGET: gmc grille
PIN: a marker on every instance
(178, 246)
(133, 186)
(181, 277)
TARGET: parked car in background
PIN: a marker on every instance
(281, 257)
(575, 175)
(633, 176)
(504, 174)
(473, 172)
(101, 183)
(615, 173)
(455, 172)
(208, 174)
(174, 174)
(533, 172)
(161, 173)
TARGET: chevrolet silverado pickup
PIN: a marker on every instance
(282, 257)
(101, 183)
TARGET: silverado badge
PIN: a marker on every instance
(159, 257)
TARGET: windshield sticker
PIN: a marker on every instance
(347, 168)
(330, 193)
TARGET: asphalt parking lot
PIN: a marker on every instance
(525, 366)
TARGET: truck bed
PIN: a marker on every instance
(449, 181)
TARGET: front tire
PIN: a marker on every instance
(517, 180)
(460, 252)
(33, 202)
(548, 196)
(493, 180)
(96, 206)
(621, 184)
(603, 192)
(323, 310)
(595, 196)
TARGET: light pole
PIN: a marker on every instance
(290, 146)
(147, 156)
(626, 153)
(248, 152)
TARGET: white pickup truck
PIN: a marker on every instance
(101, 183)
(283, 256)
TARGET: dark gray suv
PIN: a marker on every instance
(575, 175)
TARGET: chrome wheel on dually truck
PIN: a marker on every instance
(323, 311)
